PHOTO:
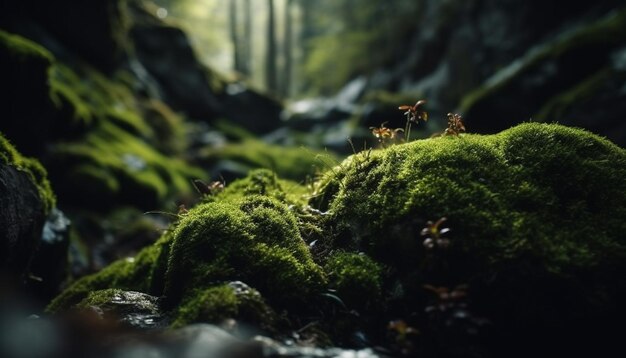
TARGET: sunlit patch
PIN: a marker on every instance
(161, 13)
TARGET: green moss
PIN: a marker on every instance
(218, 303)
(248, 237)
(255, 240)
(23, 49)
(35, 171)
(264, 182)
(144, 273)
(294, 163)
(357, 279)
(548, 192)
(114, 165)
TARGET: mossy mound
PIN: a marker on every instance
(548, 191)
(251, 237)
(537, 214)
(218, 303)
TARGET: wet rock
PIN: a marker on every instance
(132, 309)
(25, 198)
(50, 263)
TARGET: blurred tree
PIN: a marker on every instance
(246, 60)
(234, 35)
(288, 50)
(270, 60)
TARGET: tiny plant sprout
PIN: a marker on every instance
(433, 233)
(455, 125)
(383, 133)
(413, 114)
(213, 188)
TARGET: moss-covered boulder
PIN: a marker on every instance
(251, 236)
(26, 199)
(537, 213)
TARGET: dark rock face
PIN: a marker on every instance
(21, 222)
(95, 30)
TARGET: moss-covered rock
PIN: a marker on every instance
(26, 199)
(251, 236)
(535, 210)
(255, 240)
(216, 304)
(533, 189)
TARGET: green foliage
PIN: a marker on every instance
(357, 278)
(35, 171)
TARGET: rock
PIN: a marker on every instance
(50, 263)
(193, 88)
(26, 199)
(96, 32)
(129, 308)
(249, 233)
(574, 78)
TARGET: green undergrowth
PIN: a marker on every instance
(35, 171)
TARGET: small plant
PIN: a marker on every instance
(433, 233)
(383, 133)
(413, 114)
(455, 125)
(215, 187)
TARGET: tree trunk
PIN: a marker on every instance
(246, 56)
(234, 35)
(270, 61)
(288, 50)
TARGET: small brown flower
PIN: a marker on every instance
(414, 113)
(383, 132)
(455, 125)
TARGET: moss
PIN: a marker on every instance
(357, 278)
(544, 191)
(24, 49)
(144, 273)
(124, 167)
(255, 240)
(264, 182)
(246, 237)
(35, 171)
(296, 163)
(215, 304)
